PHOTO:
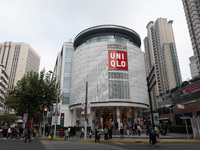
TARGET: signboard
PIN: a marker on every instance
(25, 118)
(185, 117)
(192, 89)
(54, 109)
(117, 60)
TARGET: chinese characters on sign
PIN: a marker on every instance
(117, 60)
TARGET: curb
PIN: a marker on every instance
(138, 141)
(121, 141)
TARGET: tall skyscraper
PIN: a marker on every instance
(192, 13)
(160, 52)
(18, 59)
(193, 67)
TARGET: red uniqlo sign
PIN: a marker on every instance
(192, 89)
(117, 60)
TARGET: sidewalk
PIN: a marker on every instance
(143, 138)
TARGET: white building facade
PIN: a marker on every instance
(109, 58)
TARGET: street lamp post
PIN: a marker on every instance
(55, 123)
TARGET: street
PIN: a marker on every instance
(78, 145)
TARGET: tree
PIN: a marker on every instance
(8, 118)
(32, 93)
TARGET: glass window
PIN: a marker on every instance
(65, 99)
(68, 67)
(69, 52)
(67, 82)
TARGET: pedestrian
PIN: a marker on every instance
(51, 133)
(135, 128)
(90, 133)
(97, 135)
(74, 131)
(66, 134)
(69, 131)
(15, 133)
(82, 132)
(121, 132)
(152, 136)
(34, 132)
(127, 129)
(28, 135)
(138, 129)
(106, 133)
(9, 132)
(110, 132)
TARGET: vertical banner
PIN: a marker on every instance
(54, 109)
(102, 122)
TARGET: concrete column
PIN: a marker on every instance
(74, 117)
(118, 112)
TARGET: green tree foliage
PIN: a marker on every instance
(32, 93)
(8, 118)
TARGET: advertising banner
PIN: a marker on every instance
(117, 60)
(54, 109)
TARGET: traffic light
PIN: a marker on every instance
(45, 112)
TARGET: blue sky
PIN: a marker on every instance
(46, 24)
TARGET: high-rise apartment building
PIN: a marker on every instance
(18, 59)
(193, 67)
(160, 52)
(192, 13)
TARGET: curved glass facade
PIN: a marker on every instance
(108, 38)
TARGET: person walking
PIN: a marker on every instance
(121, 132)
(97, 135)
(82, 132)
(28, 135)
(9, 132)
(127, 129)
(138, 129)
(152, 136)
(90, 133)
(66, 134)
(110, 132)
(51, 133)
(106, 133)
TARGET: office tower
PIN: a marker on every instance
(18, 59)
(193, 67)
(62, 71)
(160, 52)
(192, 13)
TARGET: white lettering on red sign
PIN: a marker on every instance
(117, 60)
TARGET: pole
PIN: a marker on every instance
(171, 115)
(150, 103)
(55, 117)
(85, 135)
(43, 124)
(56, 106)
(186, 128)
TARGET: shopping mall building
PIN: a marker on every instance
(109, 59)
